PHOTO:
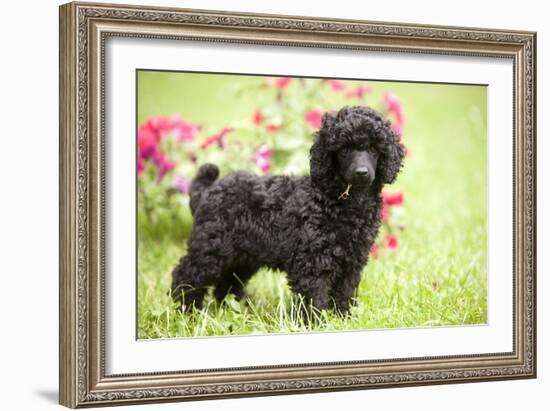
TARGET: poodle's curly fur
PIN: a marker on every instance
(305, 226)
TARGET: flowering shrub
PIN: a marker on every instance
(392, 212)
(273, 139)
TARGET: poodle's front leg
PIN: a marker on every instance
(345, 289)
(313, 286)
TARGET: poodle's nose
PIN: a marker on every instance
(362, 172)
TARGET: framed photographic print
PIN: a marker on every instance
(259, 204)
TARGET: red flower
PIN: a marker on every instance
(257, 118)
(391, 242)
(273, 128)
(314, 118)
(140, 167)
(359, 92)
(282, 82)
(375, 250)
(151, 132)
(393, 199)
(147, 142)
(336, 85)
(393, 104)
(217, 138)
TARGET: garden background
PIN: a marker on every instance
(428, 267)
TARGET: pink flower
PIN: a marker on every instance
(149, 138)
(151, 132)
(282, 82)
(163, 164)
(314, 118)
(264, 151)
(393, 199)
(391, 242)
(393, 105)
(273, 128)
(158, 124)
(392, 101)
(263, 164)
(217, 138)
(336, 85)
(183, 130)
(384, 214)
(375, 250)
(182, 184)
(257, 118)
(262, 157)
(147, 142)
(359, 92)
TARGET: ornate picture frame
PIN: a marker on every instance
(84, 29)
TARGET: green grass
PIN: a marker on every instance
(402, 290)
(436, 277)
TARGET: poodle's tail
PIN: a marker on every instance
(208, 173)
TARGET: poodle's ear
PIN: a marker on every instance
(391, 157)
(326, 134)
(321, 165)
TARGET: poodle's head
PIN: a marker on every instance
(356, 146)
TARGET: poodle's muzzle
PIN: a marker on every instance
(358, 167)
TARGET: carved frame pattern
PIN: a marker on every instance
(83, 30)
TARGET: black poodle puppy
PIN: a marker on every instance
(318, 228)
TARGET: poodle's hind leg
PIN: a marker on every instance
(191, 279)
(233, 281)
(188, 287)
